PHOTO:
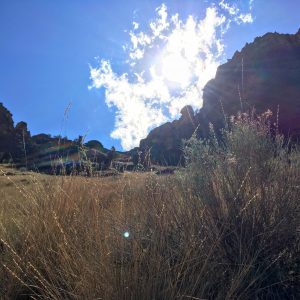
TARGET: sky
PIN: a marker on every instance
(113, 70)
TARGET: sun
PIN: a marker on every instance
(176, 69)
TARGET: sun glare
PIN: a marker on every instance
(175, 68)
(170, 61)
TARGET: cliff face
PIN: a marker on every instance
(13, 138)
(263, 75)
(165, 141)
(7, 133)
(6, 121)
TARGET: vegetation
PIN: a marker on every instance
(225, 227)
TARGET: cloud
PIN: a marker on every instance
(251, 4)
(135, 25)
(235, 13)
(231, 9)
(244, 18)
(168, 66)
(135, 113)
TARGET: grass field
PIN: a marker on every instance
(225, 227)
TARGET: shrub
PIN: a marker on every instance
(248, 178)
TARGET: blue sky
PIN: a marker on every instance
(51, 52)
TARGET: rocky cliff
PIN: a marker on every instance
(6, 132)
(12, 138)
(264, 75)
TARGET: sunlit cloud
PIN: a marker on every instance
(168, 66)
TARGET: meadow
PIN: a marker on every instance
(227, 226)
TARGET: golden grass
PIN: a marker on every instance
(225, 228)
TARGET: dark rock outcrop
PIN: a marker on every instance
(7, 140)
(6, 121)
(13, 140)
(263, 75)
(165, 142)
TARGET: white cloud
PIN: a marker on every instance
(234, 12)
(135, 115)
(231, 9)
(135, 25)
(245, 18)
(160, 24)
(168, 67)
(251, 4)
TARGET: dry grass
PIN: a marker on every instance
(227, 227)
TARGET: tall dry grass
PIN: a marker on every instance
(226, 227)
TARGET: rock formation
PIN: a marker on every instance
(7, 140)
(165, 141)
(12, 139)
(6, 121)
(263, 75)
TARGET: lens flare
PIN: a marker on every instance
(126, 234)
